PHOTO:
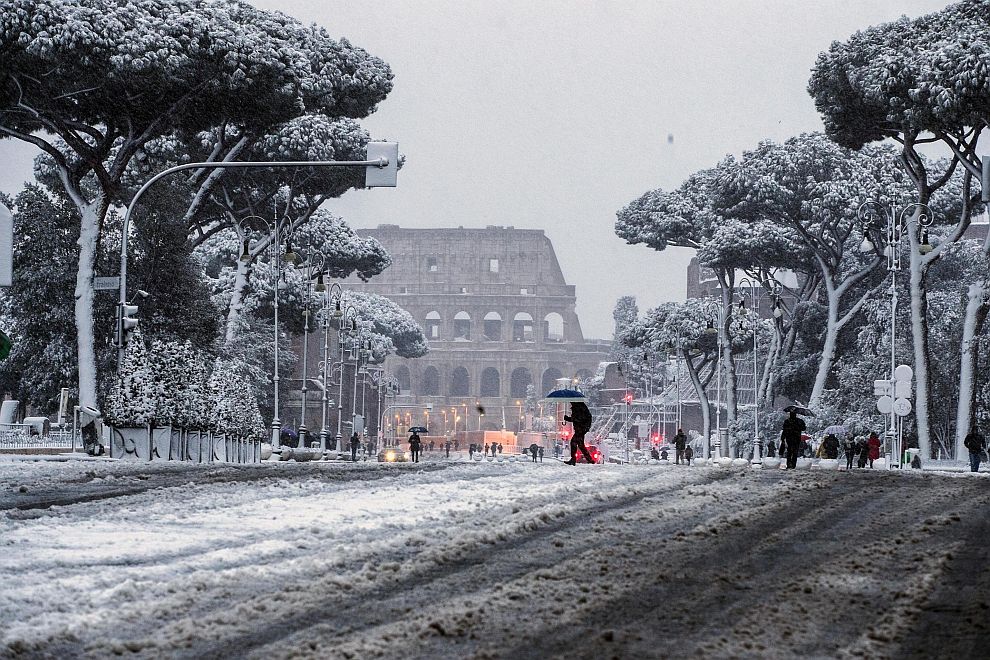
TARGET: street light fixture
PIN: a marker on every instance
(748, 287)
(875, 217)
(715, 313)
(314, 263)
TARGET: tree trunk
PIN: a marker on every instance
(828, 348)
(728, 364)
(976, 312)
(919, 340)
(89, 233)
(699, 389)
(236, 305)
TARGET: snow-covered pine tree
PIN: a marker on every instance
(132, 397)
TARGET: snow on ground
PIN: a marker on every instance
(427, 560)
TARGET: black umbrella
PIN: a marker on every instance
(801, 410)
(419, 429)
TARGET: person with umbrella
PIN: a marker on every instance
(534, 449)
(791, 434)
(415, 445)
(580, 418)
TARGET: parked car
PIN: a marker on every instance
(393, 455)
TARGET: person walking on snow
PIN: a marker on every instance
(791, 434)
(680, 441)
(688, 455)
(415, 446)
(580, 419)
(976, 443)
(873, 446)
(355, 445)
(851, 447)
(540, 452)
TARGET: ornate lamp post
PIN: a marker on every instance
(348, 329)
(747, 287)
(290, 257)
(874, 217)
(314, 264)
(331, 316)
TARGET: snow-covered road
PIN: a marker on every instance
(514, 560)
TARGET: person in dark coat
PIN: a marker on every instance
(654, 454)
(580, 419)
(534, 449)
(976, 443)
(771, 449)
(415, 446)
(486, 450)
(688, 454)
(446, 447)
(793, 427)
(851, 448)
(355, 445)
(540, 452)
(680, 441)
(500, 448)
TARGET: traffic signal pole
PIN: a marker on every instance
(380, 171)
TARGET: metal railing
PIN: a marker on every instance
(20, 436)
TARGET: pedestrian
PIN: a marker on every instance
(446, 447)
(415, 446)
(793, 427)
(850, 446)
(688, 454)
(486, 450)
(654, 454)
(432, 445)
(580, 419)
(500, 448)
(540, 451)
(680, 441)
(976, 443)
(830, 447)
(664, 455)
(534, 450)
(355, 444)
(471, 450)
(771, 449)
(873, 448)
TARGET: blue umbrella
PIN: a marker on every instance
(565, 396)
(418, 429)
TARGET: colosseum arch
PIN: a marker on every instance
(431, 382)
(405, 381)
(550, 377)
(493, 326)
(520, 381)
(491, 384)
(462, 326)
(553, 328)
(460, 382)
(432, 327)
(522, 327)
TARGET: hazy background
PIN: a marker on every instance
(554, 115)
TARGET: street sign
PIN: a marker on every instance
(881, 388)
(106, 283)
(902, 389)
(902, 407)
(903, 372)
(382, 177)
(885, 404)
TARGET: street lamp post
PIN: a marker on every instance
(747, 287)
(348, 328)
(332, 313)
(874, 216)
(320, 287)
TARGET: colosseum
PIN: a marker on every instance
(499, 317)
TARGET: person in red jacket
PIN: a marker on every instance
(874, 446)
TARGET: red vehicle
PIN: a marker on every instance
(596, 455)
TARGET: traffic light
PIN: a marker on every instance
(5, 345)
(628, 398)
(125, 323)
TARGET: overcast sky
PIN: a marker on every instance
(554, 115)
